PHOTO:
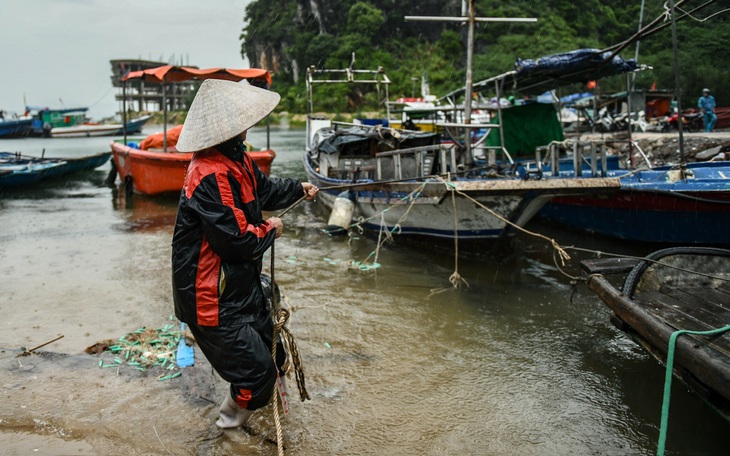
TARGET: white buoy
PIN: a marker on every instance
(342, 212)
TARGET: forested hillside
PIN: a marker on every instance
(287, 36)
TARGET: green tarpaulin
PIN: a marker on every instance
(526, 127)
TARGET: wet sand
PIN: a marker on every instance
(517, 363)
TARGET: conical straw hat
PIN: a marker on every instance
(221, 110)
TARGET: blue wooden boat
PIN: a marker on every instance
(134, 126)
(679, 204)
(15, 128)
(19, 170)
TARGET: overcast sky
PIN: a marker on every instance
(60, 49)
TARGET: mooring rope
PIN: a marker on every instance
(668, 381)
(281, 316)
(561, 252)
(412, 196)
(455, 278)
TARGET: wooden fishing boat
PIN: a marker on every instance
(161, 169)
(418, 184)
(19, 170)
(677, 289)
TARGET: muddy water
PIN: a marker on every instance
(396, 362)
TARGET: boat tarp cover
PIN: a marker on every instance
(357, 141)
(527, 127)
(577, 66)
(171, 73)
(156, 140)
(535, 76)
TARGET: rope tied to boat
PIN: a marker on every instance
(560, 251)
(668, 380)
(455, 278)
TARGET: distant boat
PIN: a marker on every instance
(88, 129)
(45, 119)
(154, 166)
(15, 128)
(19, 170)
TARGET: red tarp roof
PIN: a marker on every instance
(170, 73)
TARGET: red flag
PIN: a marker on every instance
(653, 85)
(592, 84)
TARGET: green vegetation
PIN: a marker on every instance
(287, 36)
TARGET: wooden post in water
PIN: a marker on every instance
(164, 113)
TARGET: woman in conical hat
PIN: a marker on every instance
(219, 239)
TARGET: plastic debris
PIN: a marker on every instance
(146, 348)
(364, 266)
(185, 355)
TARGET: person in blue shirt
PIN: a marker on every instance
(706, 104)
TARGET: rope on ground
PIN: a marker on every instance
(668, 380)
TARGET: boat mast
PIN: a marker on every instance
(468, 16)
(677, 82)
(124, 110)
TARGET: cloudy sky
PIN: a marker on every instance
(55, 50)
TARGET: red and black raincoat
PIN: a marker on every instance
(219, 239)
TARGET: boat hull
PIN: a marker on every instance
(30, 170)
(15, 128)
(155, 172)
(428, 208)
(650, 208)
(83, 131)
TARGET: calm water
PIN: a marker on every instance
(517, 363)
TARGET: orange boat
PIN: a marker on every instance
(153, 172)
(157, 167)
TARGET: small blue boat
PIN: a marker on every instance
(134, 126)
(19, 170)
(15, 128)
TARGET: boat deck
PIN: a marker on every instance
(651, 315)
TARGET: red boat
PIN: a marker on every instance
(157, 167)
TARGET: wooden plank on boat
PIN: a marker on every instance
(688, 313)
(708, 368)
(719, 297)
(608, 265)
(703, 303)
